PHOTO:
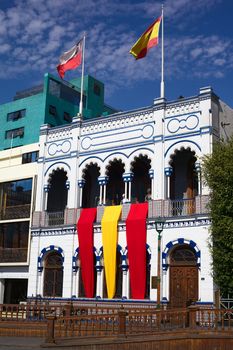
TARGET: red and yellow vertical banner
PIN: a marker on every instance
(109, 225)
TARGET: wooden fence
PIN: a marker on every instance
(130, 323)
(84, 321)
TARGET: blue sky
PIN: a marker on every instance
(198, 46)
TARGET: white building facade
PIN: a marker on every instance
(152, 155)
(18, 178)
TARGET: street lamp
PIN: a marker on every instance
(159, 225)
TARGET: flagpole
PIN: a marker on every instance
(162, 60)
(82, 78)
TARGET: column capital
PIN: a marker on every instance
(151, 173)
(168, 171)
(197, 167)
(127, 177)
(81, 183)
(103, 180)
(47, 187)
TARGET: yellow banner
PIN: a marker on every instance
(109, 238)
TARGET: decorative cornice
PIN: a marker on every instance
(55, 231)
(71, 230)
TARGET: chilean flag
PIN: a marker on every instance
(70, 59)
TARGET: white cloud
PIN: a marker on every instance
(4, 48)
(42, 32)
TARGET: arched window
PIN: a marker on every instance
(91, 187)
(183, 255)
(115, 185)
(53, 275)
(57, 195)
(141, 180)
(184, 181)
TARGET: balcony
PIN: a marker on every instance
(157, 208)
(15, 212)
(13, 255)
(48, 219)
(179, 208)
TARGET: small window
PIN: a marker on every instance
(97, 89)
(19, 132)
(16, 115)
(30, 157)
(67, 117)
(52, 110)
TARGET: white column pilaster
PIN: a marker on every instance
(2, 288)
(81, 184)
(198, 171)
(168, 173)
(45, 200)
(127, 178)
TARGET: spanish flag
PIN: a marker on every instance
(148, 39)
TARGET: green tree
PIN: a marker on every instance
(218, 173)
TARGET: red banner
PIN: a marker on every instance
(86, 248)
(136, 242)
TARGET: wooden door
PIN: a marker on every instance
(183, 285)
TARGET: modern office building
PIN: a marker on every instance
(121, 207)
(55, 102)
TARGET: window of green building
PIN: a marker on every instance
(97, 89)
(16, 115)
(13, 133)
(52, 110)
(67, 117)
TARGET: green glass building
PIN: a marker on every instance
(55, 102)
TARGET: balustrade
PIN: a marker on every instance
(157, 208)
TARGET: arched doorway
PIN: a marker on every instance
(183, 276)
(141, 182)
(53, 275)
(91, 187)
(115, 185)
